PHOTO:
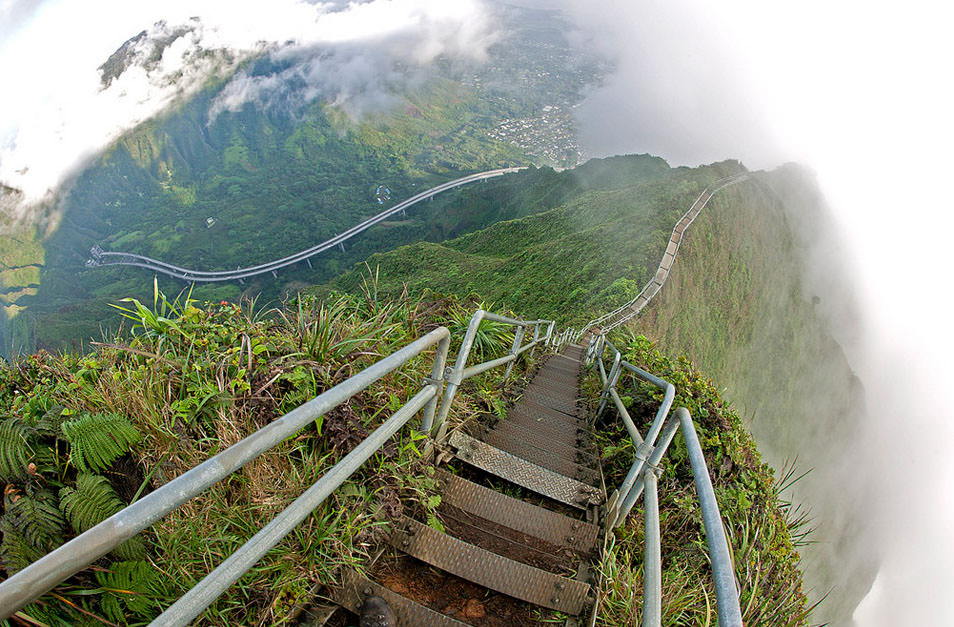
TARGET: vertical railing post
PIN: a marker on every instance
(453, 377)
(536, 336)
(610, 382)
(517, 341)
(436, 378)
(652, 560)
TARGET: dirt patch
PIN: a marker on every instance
(506, 542)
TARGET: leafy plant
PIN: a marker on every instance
(15, 449)
(98, 440)
(129, 588)
(91, 502)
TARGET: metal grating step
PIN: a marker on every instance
(489, 569)
(568, 436)
(582, 455)
(553, 402)
(535, 414)
(569, 413)
(518, 515)
(541, 457)
(528, 475)
(355, 588)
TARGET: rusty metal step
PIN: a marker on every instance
(564, 434)
(355, 588)
(490, 570)
(532, 520)
(526, 474)
(566, 407)
(541, 457)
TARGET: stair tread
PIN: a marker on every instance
(541, 457)
(526, 474)
(490, 570)
(518, 515)
(353, 591)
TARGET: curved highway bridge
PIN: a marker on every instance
(105, 258)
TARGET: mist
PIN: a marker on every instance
(855, 92)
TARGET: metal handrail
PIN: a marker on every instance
(460, 371)
(648, 455)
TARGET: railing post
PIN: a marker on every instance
(727, 595)
(453, 378)
(610, 382)
(652, 560)
(517, 341)
(436, 379)
(536, 336)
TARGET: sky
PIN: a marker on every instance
(858, 91)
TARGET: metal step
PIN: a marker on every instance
(570, 413)
(566, 435)
(552, 402)
(581, 455)
(518, 515)
(355, 588)
(490, 570)
(538, 456)
(526, 474)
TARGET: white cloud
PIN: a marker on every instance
(61, 115)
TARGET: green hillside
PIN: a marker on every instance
(280, 175)
(594, 243)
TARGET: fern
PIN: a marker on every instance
(91, 502)
(97, 440)
(15, 449)
(128, 588)
(16, 551)
(38, 518)
(49, 424)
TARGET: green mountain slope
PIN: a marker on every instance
(283, 173)
(592, 246)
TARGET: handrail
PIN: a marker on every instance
(44, 574)
(648, 455)
(460, 372)
(106, 258)
(627, 311)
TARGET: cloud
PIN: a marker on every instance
(65, 112)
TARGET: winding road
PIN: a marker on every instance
(105, 258)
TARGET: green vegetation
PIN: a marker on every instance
(764, 532)
(591, 238)
(83, 435)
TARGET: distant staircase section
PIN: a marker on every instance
(100, 257)
(609, 321)
(557, 507)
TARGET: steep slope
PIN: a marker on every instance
(743, 303)
(267, 159)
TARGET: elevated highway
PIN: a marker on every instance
(102, 258)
